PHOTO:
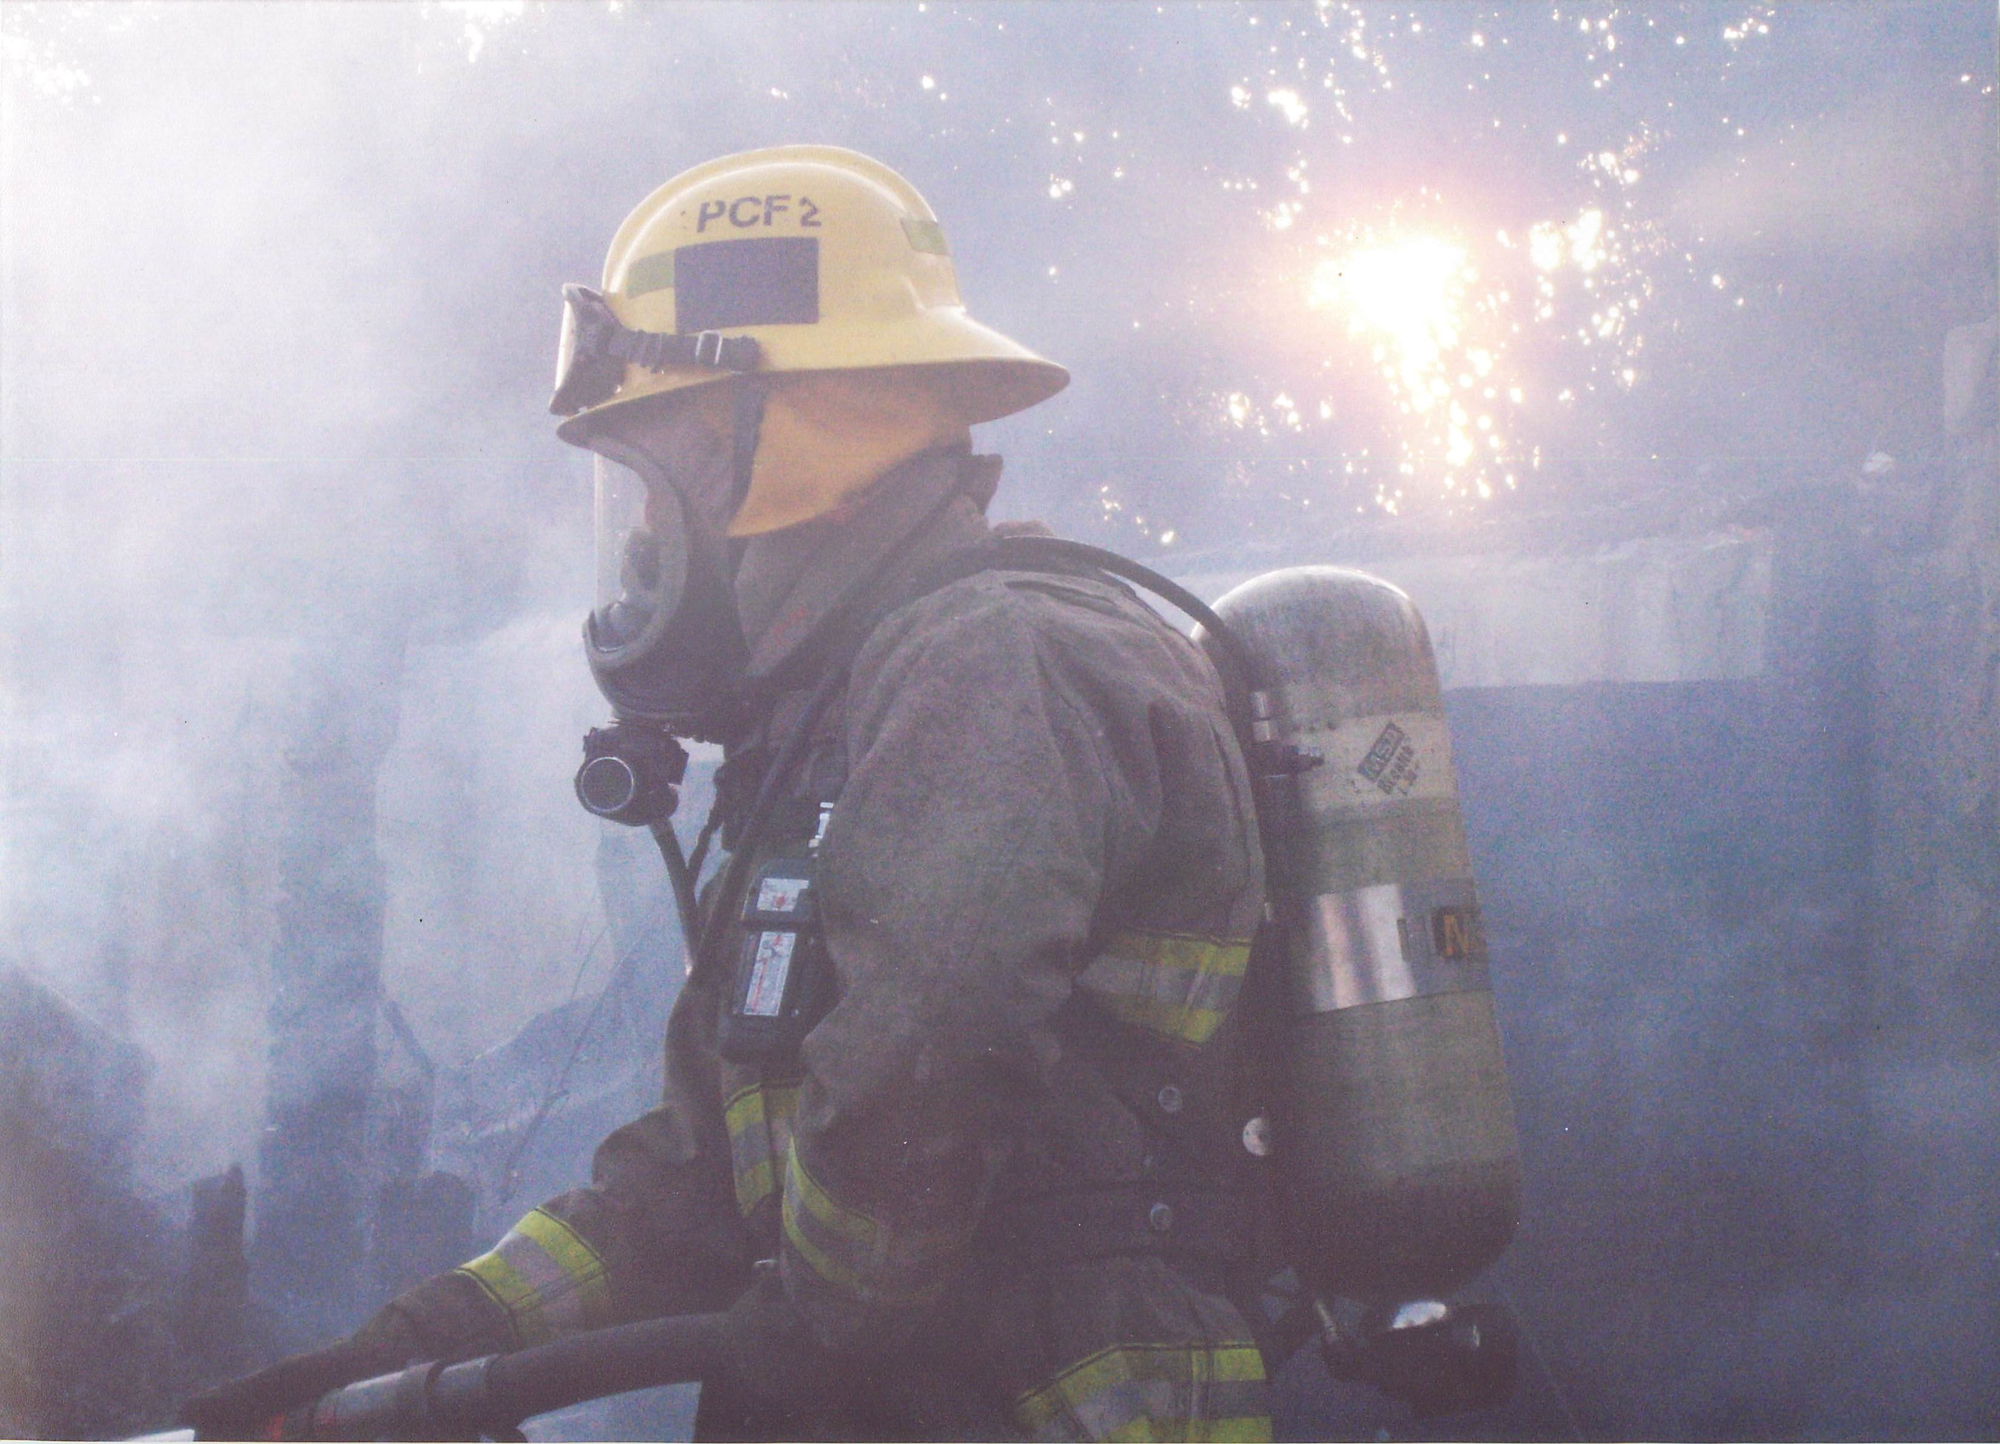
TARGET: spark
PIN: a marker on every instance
(1288, 103)
(1406, 302)
(50, 74)
(481, 16)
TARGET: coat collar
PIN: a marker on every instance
(791, 584)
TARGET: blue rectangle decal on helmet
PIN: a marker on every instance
(765, 281)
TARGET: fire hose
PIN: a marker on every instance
(489, 1397)
(1460, 1357)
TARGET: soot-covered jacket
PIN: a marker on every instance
(1012, 1139)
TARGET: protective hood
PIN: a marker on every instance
(827, 436)
(790, 584)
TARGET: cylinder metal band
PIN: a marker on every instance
(1392, 941)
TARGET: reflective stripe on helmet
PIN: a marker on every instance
(1176, 984)
(1154, 1391)
(547, 1278)
(760, 1137)
(861, 1257)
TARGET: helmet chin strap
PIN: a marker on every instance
(748, 422)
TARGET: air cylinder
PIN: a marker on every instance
(1394, 1134)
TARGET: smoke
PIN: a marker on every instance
(278, 303)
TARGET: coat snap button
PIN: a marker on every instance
(1170, 1099)
(1160, 1217)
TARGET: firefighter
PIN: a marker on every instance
(949, 1115)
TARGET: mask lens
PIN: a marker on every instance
(663, 639)
(642, 563)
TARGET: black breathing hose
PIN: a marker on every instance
(680, 874)
(1062, 555)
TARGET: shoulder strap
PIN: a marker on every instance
(1061, 557)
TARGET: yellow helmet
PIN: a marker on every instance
(798, 258)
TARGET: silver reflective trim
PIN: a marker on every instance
(1355, 955)
(1419, 1313)
(1257, 1136)
(1392, 941)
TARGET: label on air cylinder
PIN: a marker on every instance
(1392, 757)
(1392, 941)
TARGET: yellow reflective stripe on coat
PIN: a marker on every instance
(870, 1261)
(1176, 984)
(1155, 1391)
(760, 1136)
(546, 1277)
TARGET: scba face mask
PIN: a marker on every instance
(664, 640)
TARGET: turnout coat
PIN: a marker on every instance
(1003, 1177)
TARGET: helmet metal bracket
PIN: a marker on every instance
(596, 347)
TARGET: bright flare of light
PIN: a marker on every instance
(1408, 297)
(1437, 332)
(1545, 247)
(1408, 301)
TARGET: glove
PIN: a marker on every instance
(787, 1385)
(254, 1406)
(447, 1316)
(1463, 1361)
(777, 1364)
